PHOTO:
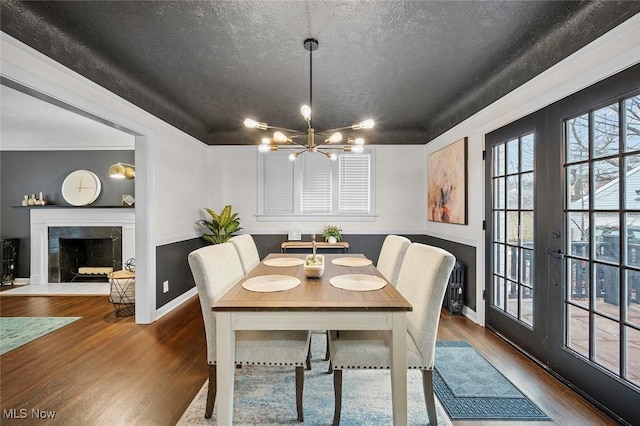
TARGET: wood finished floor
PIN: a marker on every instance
(104, 370)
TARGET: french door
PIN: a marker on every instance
(563, 239)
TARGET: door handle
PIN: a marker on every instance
(558, 254)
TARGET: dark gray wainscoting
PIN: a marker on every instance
(172, 265)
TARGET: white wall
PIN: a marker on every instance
(608, 55)
(171, 172)
(400, 191)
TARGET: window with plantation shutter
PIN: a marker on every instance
(354, 191)
(314, 187)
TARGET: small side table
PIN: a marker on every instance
(123, 288)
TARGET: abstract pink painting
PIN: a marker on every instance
(447, 184)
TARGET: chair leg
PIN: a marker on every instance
(309, 356)
(427, 385)
(211, 392)
(337, 390)
(299, 390)
(326, 355)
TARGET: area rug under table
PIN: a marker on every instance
(266, 396)
(17, 331)
(470, 388)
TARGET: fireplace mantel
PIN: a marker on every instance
(42, 219)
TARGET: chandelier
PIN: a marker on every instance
(294, 139)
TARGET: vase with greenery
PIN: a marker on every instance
(332, 233)
(222, 226)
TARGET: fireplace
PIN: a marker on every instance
(63, 240)
(82, 253)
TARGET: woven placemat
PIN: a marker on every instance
(358, 282)
(269, 283)
(352, 261)
(284, 261)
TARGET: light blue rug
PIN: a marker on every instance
(266, 396)
(470, 388)
(17, 331)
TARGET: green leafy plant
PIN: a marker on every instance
(222, 226)
(332, 231)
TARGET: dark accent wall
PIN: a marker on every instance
(172, 265)
(29, 172)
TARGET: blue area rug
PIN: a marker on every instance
(17, 331)
(266, 396)
(470, 388)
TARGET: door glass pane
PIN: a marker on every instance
(578, 279)
(577, 136)
(606, 131)
(526, 153)
(578, 186)
(498, 292)
(513, 228)
(633, 355)
(499, 259)
(526, 191)
(578, 330)
(526, 267)
(606, 183)
(607, 343)
(499, 223)
(512, 262)
(632, 174)
(608, 297)
(633, 301)
(512, 298)
(526, 229)
(607, 236)
(526, 305)
(513, 154)
(513, 192)
(499, 160)
(632, 132)
(579, 234)
(498, 194)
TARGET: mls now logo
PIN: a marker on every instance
(23, 413)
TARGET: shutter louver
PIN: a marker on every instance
(354, 189)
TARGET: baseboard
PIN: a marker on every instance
(165, 309)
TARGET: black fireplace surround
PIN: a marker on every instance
(73, 247)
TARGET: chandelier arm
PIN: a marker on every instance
(334, 130)
(297, 132)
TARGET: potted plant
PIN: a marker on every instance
(332, 233)
(222, 226)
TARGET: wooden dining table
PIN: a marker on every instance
(315, 304)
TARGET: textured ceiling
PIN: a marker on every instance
(417, 67)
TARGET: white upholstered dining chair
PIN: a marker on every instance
(392, 253)
(215, 269)
(422, 281)
(247, 250)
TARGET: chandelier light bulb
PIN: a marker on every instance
(264, 148)
(253, 124)
(333, 156)
(306, 112)
(359, 141)
(357, 149)
(293, 156)
(279, 137)
(266, 141)
(335, 138)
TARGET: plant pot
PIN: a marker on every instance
(332, 240)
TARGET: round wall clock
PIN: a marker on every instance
(81, 188)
